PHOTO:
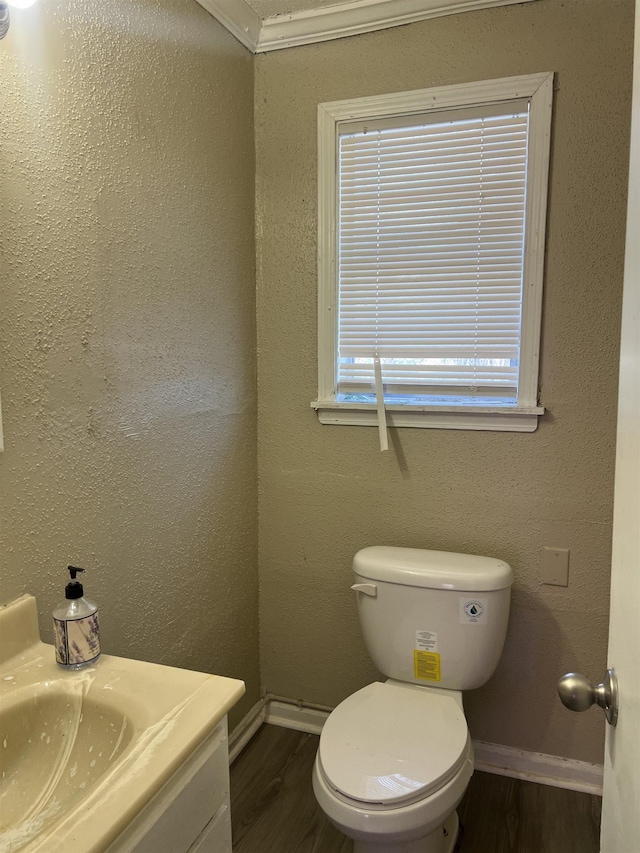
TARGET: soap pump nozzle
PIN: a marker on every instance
(74, 588)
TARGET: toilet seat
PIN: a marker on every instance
(390, 744)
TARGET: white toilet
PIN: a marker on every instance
(395, 758)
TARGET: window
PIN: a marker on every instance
(432, 212)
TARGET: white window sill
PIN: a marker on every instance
(477, 417)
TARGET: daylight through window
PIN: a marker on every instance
(431, 240)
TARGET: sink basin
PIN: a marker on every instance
(82, 753)
(56, 746)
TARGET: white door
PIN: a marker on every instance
(621, 802)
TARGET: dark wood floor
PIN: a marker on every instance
(274, 811)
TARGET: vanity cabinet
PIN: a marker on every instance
(158, 779)
(191, 812)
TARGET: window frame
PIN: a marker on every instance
(520, 417)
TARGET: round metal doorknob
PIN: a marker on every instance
(579, 694)
(576, 692)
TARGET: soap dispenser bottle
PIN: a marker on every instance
(75, 625)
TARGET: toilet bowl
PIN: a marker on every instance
(393, 763)
(395, 758)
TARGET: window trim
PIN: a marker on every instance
(523, 417)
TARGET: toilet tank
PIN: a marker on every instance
(432, 617)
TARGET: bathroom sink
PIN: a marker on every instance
(56, 746)
(82, 753)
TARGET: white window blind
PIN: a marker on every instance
(431, 228)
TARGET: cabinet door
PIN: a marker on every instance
(190, 809)
(216, 837)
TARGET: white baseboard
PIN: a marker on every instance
(489, 757)
(246, 728)
(295, 715)
(538, 767)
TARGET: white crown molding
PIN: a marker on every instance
(332, 22)
(238, 17)
(349, 19)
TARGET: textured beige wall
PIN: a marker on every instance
(326, 491)
(128, 326)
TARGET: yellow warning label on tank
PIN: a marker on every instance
(426, 665)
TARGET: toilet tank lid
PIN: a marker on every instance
(432, 569)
